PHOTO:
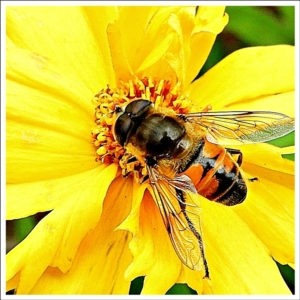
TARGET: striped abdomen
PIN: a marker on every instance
(216, 175)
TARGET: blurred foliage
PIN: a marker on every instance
(181, 289)
(248, 26)
(136, 286)
(288, 274)
(284, 141)
(262, 26)
(253, 26)
(23, 227)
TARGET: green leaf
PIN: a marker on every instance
(181, 289)
(288, 275)
(288, 19)
(255, 25)
(136, 286)
(284, 141)
(23, 227)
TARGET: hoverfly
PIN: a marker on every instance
(183, 155)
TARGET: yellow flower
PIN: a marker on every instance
(103, 230)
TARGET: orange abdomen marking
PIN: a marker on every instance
(216, 175)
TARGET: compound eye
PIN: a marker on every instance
(137, 107)
(122, 128)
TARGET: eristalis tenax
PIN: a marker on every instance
(182, 154)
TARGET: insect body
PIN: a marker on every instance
(183, 156)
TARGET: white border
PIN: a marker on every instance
(141, 3)
(150, 3)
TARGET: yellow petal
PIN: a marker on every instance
(135, 19)
(45, 77)
(239, 262)
(283, 102)
(271, 200)
(269, 206)
(156, 54)
(209, 21)
(246, 76)
(120, 62)
(287, 150)
(103, 255)
(269, 157)
(26, 199)
(195, 35)
(48, 121)
(194, 279)
(153, 254)
(166, 41)
(99, 18)
(131, 223)
(98, 270)
(269, 212)
(128, 49)
(68, 42)
(33, 155)
(13, 282)
(63, 229)
(143, 51)
(171, 24)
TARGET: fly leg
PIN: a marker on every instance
(238, 153)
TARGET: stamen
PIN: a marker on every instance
(108, 150)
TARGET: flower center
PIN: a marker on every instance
(108, 150)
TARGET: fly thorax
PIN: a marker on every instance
(159, 136)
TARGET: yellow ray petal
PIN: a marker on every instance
(269, 210)
(120, 62)
(193, 31)
(31, 258)
(283, 102)
(271, 198)
(133, 45)
(103, 255)
(268, 157)
(131, 223)
(13, 282)
(27, 199)
(170, 27)
(209, 21)
(166, 40)
(153, 254)
(31, 135)
(99, 269)
(45, 77)
(99, 18)
(68, 42)
(287, 150)
(156, 54)
(194, 279)
(64, 234)
(132, 54)
(246, 75)
(35, 153)
(239, 262)
(48, 132)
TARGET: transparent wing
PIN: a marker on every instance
(241, 127)
(181, 217)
